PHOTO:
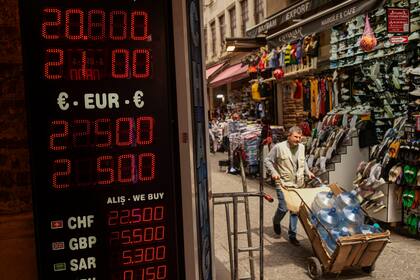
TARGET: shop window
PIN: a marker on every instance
(244, 14)
(222, 27)
(232, 17)
(205, 43)
(213, 38)
(259, 11)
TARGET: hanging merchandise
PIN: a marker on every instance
(256, 96)
(278, 73)
(368, 41)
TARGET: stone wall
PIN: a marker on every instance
(15, 189)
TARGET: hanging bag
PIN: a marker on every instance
(368, 41)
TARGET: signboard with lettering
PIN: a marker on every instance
(340, 14)
(398, 20)
(100, 91)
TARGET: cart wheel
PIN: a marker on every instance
(314, 268)
(368, 269)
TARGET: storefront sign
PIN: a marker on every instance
(398, 20)
(292, 12)
(398, 40)
(317, 24)
(100, 91)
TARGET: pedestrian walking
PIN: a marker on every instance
(287, 165)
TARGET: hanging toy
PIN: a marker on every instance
(368, 41)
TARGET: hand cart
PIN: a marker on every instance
(358, 251)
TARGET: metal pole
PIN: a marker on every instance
(229, 234)
(247, 219)
(261, 214)
(235, 238)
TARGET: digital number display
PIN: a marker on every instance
(100, 90)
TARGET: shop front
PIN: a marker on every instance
(350, 74)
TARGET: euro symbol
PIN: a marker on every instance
(137, 99)
(61, 101)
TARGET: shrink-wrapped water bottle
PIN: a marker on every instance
(331, 239)
(347, 199)
(323, 200)
(369, 229)
(329, 217)
(352, 218)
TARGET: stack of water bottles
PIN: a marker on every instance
(340, 216)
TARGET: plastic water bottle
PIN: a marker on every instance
(366, 229)
(347, 199)
(352, 218)
(325, 237)
(335, 234)
(369, 229)
(329, 217)
(323, 200)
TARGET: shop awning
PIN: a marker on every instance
(292, 12)
(213, 69)
(324, 20)
(233, 73)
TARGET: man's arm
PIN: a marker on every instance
(270, 161)
(308, 172)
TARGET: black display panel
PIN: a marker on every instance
(100, 90)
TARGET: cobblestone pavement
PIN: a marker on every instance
(399, 260)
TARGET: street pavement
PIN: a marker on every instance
(282, 260)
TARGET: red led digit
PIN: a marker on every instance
(150, 273)
(60, 132)
(126, 257)
(51, 23)
(54, 61)
(83, 66)
(115, 237)
(136, 214)
(147, 214)
(160, 253)
(96, 24)
(126, 237)
(120, 61)
(158, 215)
(149, 254)
(148, 234)
(160, 233)
(139, 25)
(118, 25)
(147, 163)
(138, 255)
(144, 130)
(126, 168)
(124, 129)
(125, 217)
(74, 24)
(141, 64)
(103, 134)
(128, 275)
(137, 236)
(81, 133)
(105, 170)
(61, 178)
(113, 218)
(161, 272)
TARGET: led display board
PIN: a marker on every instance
(100, 91)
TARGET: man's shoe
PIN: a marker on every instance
(277, 228)
(294, 241)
